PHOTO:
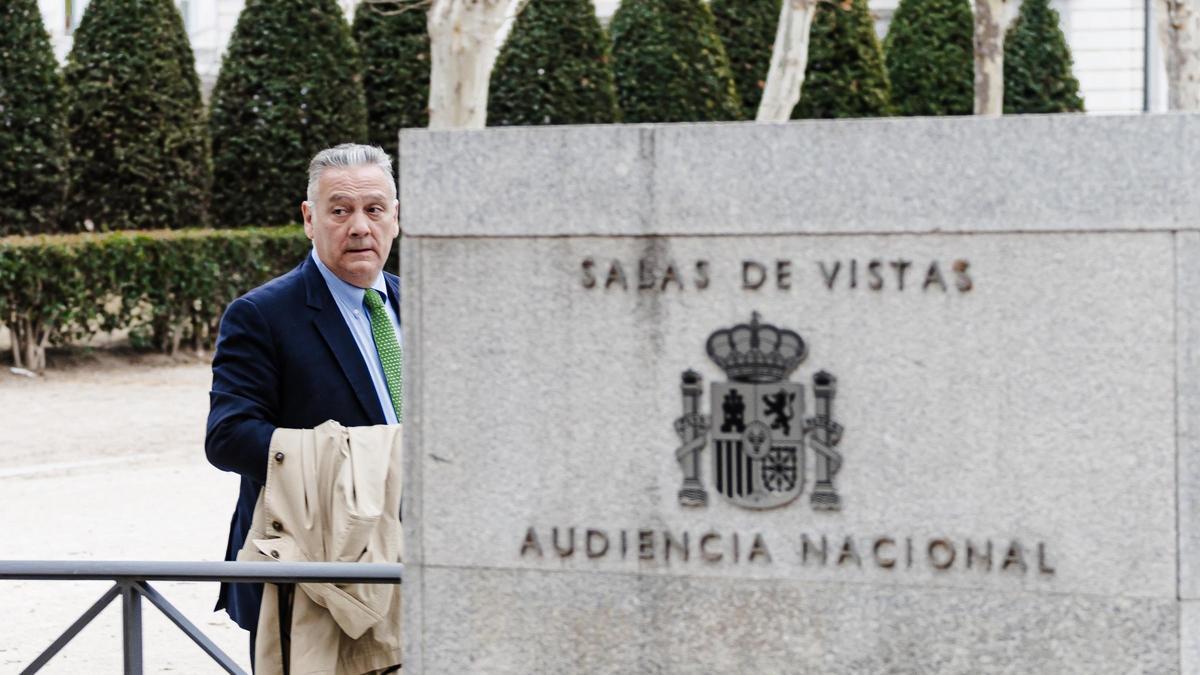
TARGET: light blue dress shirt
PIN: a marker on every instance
(349, 299)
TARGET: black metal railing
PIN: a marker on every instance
(131, 583)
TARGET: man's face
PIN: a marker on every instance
(353, 222)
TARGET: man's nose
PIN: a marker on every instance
(359, 224)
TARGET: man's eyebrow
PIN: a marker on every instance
(370, 196)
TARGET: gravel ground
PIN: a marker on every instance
(103, 460)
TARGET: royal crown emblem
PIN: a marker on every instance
(757, 425)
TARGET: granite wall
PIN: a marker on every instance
(1006, 305)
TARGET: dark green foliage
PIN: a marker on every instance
(555, 68)
(395, 55)
(747, 27)
(670, 66)
(1037, 64)
(136, 122)
(290, 86)
(931, 57)
(845, 76)
(33, 141)
(169, 286)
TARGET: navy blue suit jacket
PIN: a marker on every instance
(284, 358)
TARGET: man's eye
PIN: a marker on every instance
(339, 212)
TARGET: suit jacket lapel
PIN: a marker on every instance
(332, 326)
(393, 286)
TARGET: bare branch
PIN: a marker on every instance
(1179, 35)
(789, 61)
(394, 7)
(989, 57)
(463, 36)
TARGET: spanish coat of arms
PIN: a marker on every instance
(758, 427)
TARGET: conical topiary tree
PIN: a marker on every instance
(1037, 64)
(136, 121)
(747, 29)
(670, 66)
(930, 57)
(555, 68)
(394, 44)
(845, 75)
(290, 86)
(33, 141)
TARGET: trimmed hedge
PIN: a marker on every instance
(166, 286)
(139, 146)
(33, 140)
(670, 66)
(1037, 64)
(395, 54)
(931, 57)
(845, 75)
(555, 68)
(289, 87)
(747, 28)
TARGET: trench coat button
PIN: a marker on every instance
(274, 554)
(277, 525)
(279, 457)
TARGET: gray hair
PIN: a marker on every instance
(345, 156)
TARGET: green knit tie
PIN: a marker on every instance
(389, 350)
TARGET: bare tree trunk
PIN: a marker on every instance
(14, 335)
(29, 344)
(31, 355)
(989, 57)
(176, 338)
(462, 36)
(789, 60)
(1179, 31)
(38, 357)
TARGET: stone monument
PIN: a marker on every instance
(904, 395)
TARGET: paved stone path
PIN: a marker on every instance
(101, 462)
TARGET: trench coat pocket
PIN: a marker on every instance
(281, 549)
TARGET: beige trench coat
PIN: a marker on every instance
(332, 495)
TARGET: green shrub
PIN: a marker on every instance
(845, 76)
(136, 122)
(33, 141)
(555, 68)
(747, 28)
(395, 54)
(670, 66)
(931, 57)
(169, 285)
(1037, 64)
(289, 87)
(43, 297)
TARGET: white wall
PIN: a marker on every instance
(1107, 39)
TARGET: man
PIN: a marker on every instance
(318, 343)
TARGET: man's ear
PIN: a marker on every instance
(396, 211)
(307, 213)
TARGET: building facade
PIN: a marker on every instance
(1107, 38)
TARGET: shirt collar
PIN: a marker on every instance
(349, 294)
